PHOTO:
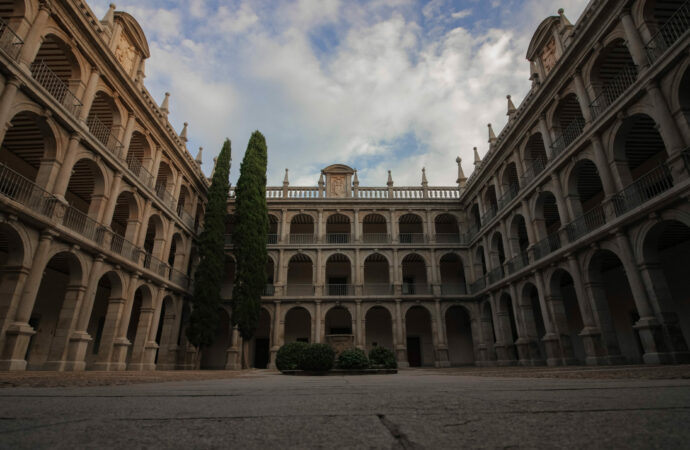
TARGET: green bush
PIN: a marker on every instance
(289, 356)
(353, 359)
(381, 356)
(318, 358)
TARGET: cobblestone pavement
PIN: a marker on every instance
(423, 408)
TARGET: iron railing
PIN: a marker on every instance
(45, 76)
(517, 263)
(155, 265)
(81, 223)
(613, 89)
(300, 290)
(377, 289)
(478, 285)
(376, 238)
(301, 238)
(337, 289)
(9, 41)
(415, 289)
(653, 183)
(269, 290)
(534, 168)
(489, 214)
(179, 278)
(495, 275)
(586, 223)
(125, 248)
(165, 195)
(272, 239)
(21, 190)
(185, 217)
(568, 135)
(412, 238)
(686, 159)
(453, 289)
(136, 166)
(447, 238)
(337, 238)
(674, 28)
(508, 196)
(103, 134)
(549, 244)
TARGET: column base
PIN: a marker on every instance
(17, 337)
(233, 359)
(76, 351)
(119, 357)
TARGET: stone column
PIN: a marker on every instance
(591, 334)
(357, 225)
(359, 326)
(107, 217)
(146, 316)
(68, 160)
(529, 225)
(9, 94)
(318, 332)
(89, 94)
(401, 347)
(546, 137)
(19, 332)
(668, 128)
(442, 357)
(320, 227)
(277, 335)
(33, 40)
(633, 40)
(284, 227)
(114, 337)
(582, 97)
(550, 339)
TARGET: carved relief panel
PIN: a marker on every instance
(126, 54)
(548, 55)
(337, 186)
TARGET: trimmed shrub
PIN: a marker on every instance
(381, 356)
(353, 359)
(289, 356)
(318, 358)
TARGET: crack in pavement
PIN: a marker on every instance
(400, 438)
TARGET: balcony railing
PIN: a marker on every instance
(21, 190)
(269, 290)
(9, 41)
(517, 263)
(495, 275)
(412, 238)
(489, 214)
(549, 244)
(415, 289)
(376, 238)
(179, 278)
(186, 218)
(478, 285)
(300, 290)
(508, 196)
(453, 289)
(123, 247)
(674, 28)
(448, 238)
(648, 186)
(337, 238)
(569, 134)
(301, 238)
(339, 289)
(272, 239)
(377, 289)
(534, 168)
(613, 89)
(136, 166)
(104, 134)
(155, 265)
(165, 195)
(56, 87)
(77, 221)
(586, 223)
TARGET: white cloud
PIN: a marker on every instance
(461, 14)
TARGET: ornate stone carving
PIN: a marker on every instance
(125, 54)
(337, 188)
(548, 55)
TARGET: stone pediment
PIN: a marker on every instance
(338, 168)
(542, 47)
(338, 180)
(132, 45)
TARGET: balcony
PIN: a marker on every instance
(269, 290)
(453, 289)
(338, 238)
(614, 89)
(300, 290)
(569, 134)
(508, 196)
(271, 239)
(104, 135)
(586, 223)
(9, 41)
(549, 244)
(415, 289)
(136, 167)
(517, 263)
(55, 87)
(495, 275)
(376, 238)
(377, 289)
(478, 285)
(648, 186)
(674, 28)
(339, 289)
(165, 195)
(490, 213)
(412, 238)
(533, 169)
(447, 238)
(301, 238)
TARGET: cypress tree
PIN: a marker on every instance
(249, 237)
(208, 277)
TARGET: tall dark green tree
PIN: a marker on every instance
(249, 238)
(208, 277)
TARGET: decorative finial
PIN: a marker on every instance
(461, 175)
(285, 180)
(564, 20)
(183, 134)
(321, 182)
(511, 108)
(477, 159)
(165, 106)
(390, 179)
(424, 180)
(198, 156)
(355, 181)
(109, 18)
(492, 135)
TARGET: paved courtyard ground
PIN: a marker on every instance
(633, 407)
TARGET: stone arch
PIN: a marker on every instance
(300, 275)
(215, 356)
(28, 141)
(183, 200)
(165, 177)
(86, 188)
(273, 224)
(414, 274)
(176, 255)
(518, 236)
(507, 322)
(419, 336)
(56, 60)
(261, 341)
(411, 228)
(660, 26)
(298, 325)
(534, 156)
(104, 119)
(567, 121)
(302, 229)
(459, 336)
(103, 319)
(585, 189)
(139, 157)
(476, 221)
(376, 274)
(566, 315)
(18, 14)
(338, 319)
(488, 330)
(375, 229)
(339, 274)
(498, 253)
(510, 180)
(155, 235)
(611, 73)
(378, 328)
(15, 259)
(53, 308)
(446, 228)
(452, 271)
(547, 216)
(480, 267)
(638, 148)
(338, 229)
(532, 320)
(490, 202)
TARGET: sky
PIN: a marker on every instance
(374, 84)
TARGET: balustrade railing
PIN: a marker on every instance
(674, 28)
(377, 289)
(568, 135)
(408, 192)
(300, 290)
(415, 289)
(376, 238)
(56, 87)
(447, 238)
(9, 41)
(586, 223)
(103, 134)
(412, 238)
(648, 186)
(337, 238)
(613, 89)
(367, 193)
(303, 192)
(372, 192)
(339, 289)
(301, 238)
(534, 168)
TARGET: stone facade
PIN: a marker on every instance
(568, 244)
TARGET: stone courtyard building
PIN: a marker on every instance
(568, 244)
